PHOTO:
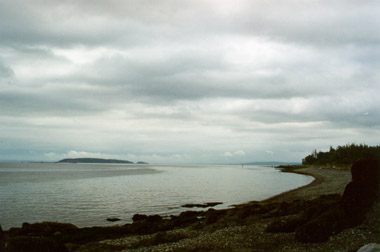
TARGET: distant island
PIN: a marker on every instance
(94, 160)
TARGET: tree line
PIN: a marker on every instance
(346, 154)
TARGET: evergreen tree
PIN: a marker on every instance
(346, 154)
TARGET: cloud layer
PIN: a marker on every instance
(187, 81)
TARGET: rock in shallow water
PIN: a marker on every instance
(205, 205)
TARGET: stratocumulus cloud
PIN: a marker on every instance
(184, 81)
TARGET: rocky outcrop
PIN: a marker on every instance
(319, 229)
(358, 198)
(38, 237)
(362, 192)
(42, 229)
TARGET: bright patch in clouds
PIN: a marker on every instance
(269, 152)
(235, 153)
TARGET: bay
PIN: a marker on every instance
(88, 194)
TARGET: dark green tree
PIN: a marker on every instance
(346, 154)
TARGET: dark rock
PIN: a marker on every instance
(91, 234)
(366, 171)
(213, 215)
(2, 240)
(358, 198)
(139, 217)
(313, 208)
(154, 218)
(143, 217)
(143, 224)
(321, 228)
(113, 219)
(187, 218)
(301, 212)
(205, 205)
(42, 229)
(35, 244)
(364, 189)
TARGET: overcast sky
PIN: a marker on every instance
(197, 81)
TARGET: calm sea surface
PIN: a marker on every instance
(88, 194)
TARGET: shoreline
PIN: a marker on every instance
(290, 195)
(318, 179)
(240, 228)
(126, 220)
(326, 181)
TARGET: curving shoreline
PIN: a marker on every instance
(241, 228)
(326, 181)
(215, 230)
(84, 208)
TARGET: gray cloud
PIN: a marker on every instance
(179, 80)
(5, 71)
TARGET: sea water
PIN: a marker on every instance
(88, 194)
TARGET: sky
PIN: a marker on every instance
(197, 81)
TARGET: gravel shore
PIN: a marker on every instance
(251, 236)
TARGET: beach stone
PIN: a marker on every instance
(144, 224)
(372, 247)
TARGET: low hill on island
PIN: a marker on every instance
(94, 160)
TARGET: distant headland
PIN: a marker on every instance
(97, 160)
